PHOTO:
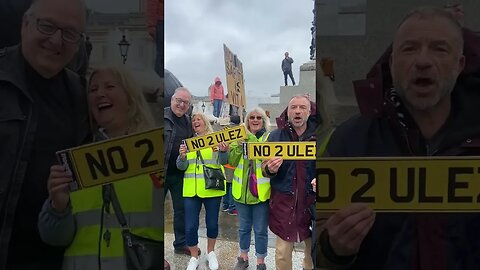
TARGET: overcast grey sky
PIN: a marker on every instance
(258, 32)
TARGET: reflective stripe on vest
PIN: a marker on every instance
(91, 263)
(142, 205)
(263, 183)
(194, 180)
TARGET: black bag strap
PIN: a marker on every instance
(109, 191)
(199, 155)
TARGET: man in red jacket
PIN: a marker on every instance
(429, 109)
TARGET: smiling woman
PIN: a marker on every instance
(116, 103)
(96, 236)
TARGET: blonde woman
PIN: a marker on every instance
(84, 220)
(195, 193)
(251, 192)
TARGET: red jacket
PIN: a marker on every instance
(217, 92)
(292, 197)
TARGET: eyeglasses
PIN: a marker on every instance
(252, 117)
(48, 28)
(180, 101)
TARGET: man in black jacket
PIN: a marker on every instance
(43, 109)
(178, 126)
(427, 112)
(11, 14)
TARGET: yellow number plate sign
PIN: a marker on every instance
(213, 139)
(449, 184)
(114, 159)
(285, 150)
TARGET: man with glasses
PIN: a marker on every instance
(11, 16)
(178, 127)
(43, 109)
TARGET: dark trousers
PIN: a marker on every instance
(174, 184)
(228, 198)
(289, 73)
(159, 48)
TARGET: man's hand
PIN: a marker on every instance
(348, 227)
(57, 186)
(274, 164)
(314, 184)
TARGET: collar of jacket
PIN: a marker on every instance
(12, 68)
(461, 128)
(168, 114)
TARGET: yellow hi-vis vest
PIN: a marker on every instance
(142, 205)
(263, 183)
(194, 180)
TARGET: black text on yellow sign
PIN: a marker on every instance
(115, 159)
(213, 139)
(400, 184)
(285, 150)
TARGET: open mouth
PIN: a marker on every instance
(423, 82)
(104, 106)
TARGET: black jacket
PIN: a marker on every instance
(170, 133)
(18, 124)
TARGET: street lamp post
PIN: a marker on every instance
(123, 45)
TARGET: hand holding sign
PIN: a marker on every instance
(348, 227)
(182, 151)
(223, 147)
(274, 164)
(57, 186)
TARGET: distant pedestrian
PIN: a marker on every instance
(287, 68)
(217, 96)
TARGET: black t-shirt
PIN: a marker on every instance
(183, 131)
(55, 131)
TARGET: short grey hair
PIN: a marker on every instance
(33, 7)
(434, 12)
(182, 89)
(305, 97)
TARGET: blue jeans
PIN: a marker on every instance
(159, 42)
(217, 106)
(192, 217)
(256, 216)
(228, 198)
